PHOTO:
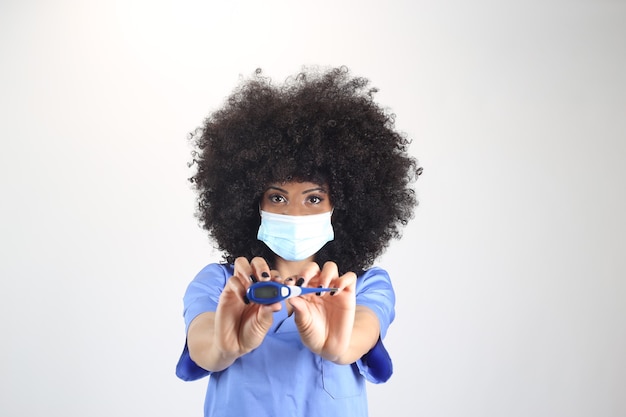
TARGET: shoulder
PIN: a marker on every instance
(209, 281)
(373, 278)
(374, 270)
(215, 271)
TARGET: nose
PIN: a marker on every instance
(294, 210)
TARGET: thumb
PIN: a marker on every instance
(300, 309)
(265, 314)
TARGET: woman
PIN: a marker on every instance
(305, 184)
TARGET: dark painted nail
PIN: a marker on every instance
(333, 292)
(246, 300)
(253, 278)
(319, 293)
(300, 281)
(289, 279)
(265, 274)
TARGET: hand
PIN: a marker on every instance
(241, 326)
(325, 322)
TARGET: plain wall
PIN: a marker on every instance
(510, 279)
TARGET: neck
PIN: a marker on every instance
(288, 269)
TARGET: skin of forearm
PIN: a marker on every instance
(204, 353)
(365, 333)
(201, 349)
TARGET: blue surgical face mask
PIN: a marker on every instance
(295, 238)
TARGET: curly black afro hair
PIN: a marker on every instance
(319, 126)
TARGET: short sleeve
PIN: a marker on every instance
(375, 291)
(202, 295)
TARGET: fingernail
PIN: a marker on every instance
(265, 274)
(253, 278)
(319, 293)
(246, 300)
(333, 292)
(300, 281)
(289, 279)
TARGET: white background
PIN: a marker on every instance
(510, 280)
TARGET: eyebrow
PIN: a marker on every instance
(320, 189)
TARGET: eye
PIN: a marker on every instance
(276, 198)
(315, 199)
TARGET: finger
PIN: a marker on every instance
(243, 271)
(291, 280)
(345, 283)
(275, 276)
(299, 306)
(234, 288)
(260, 270)
(308, 274)
(329, 274)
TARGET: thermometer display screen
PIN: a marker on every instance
(266, 292)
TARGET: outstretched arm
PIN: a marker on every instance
(217, 339)
(332, 325)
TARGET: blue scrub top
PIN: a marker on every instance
(282, 377)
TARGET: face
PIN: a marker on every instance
(296, 198)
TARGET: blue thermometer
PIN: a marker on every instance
(269, 292)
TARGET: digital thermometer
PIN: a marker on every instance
(269, 292)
